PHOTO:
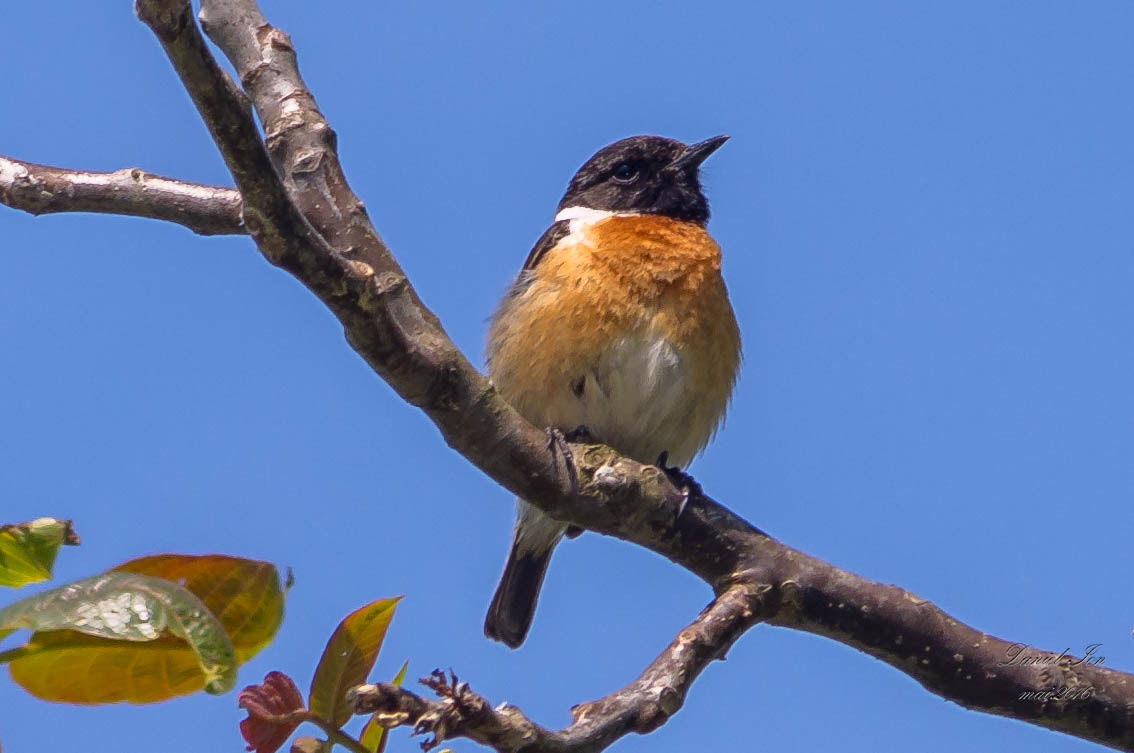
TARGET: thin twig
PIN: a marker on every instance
(642, 706)
(39, 189)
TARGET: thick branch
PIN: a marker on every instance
(39, 189)
(303, 217)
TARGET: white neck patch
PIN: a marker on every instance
(583, 214)
(580, 217)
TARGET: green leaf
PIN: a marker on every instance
(348, 658)
(123, 607)
(373, 736)
(28, 550)
(244, 594)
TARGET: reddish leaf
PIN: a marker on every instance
(270, 707)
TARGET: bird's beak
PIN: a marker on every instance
(694, 155)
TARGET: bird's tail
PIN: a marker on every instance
(513, 605)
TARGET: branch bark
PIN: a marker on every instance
(39, 189)
(303, 217)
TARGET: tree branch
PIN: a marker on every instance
(300, 211)
(39, 189)
(642, 706)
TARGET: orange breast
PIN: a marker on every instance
(624, 326)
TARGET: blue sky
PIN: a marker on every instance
(925, 211)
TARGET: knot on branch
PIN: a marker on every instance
(634, 495)
(384, 699)
(20, 186)
(307, 161)
(390, 705)
(167, 18)
(276, 38)
(666, 702)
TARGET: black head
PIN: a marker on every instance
(647, 174)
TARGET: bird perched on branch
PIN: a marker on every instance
(619, 322)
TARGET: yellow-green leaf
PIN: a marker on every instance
(125, 607)
(63, 665)
(68, 667)
(245, 595)
(28, 550)
(373, 736)
(348, 658)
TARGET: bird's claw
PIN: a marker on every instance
(558, 441)
(682, 480)
(557, 444)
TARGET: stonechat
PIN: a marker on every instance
(619, 322)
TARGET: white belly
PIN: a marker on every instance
(636, 398)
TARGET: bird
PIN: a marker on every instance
(618, 325)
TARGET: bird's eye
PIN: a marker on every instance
(624, 172)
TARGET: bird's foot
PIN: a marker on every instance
(682, 480)
(557, 441)
(557, 445)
